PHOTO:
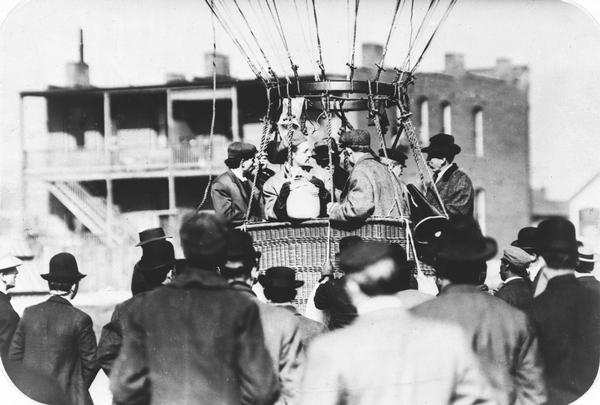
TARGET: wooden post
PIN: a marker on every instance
(23, 179)
(108, 134)
(235, 121)
(170, 172)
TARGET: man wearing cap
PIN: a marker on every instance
(453, 185)
(280, 327)
(230, 192)
(157, 262)
(371, 190)
(516, 286)
(8, 317)
(280, 286)
(387, 355)
(501, 336)
(196, 340)
(57, 339)
(585, 267)
(566, 315)
(295, 173)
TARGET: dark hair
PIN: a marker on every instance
(233, 163)
(60, 286)
(559, 260)
(461, 272)
(399, 279)
(280, 295)
(241, 271)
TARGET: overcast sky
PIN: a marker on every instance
(131, 42)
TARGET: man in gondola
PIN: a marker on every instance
(371, 190)
(453, 185)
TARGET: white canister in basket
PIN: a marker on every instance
(303, 201)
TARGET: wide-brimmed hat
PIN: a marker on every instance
(527, 239)
(157, 256)
(586, 259)
(355, 137)
(395, 155)
(150, 235)
(462, 241)
(280, 277)
(63, 268)
(442, 145)
(240, 246)
(241, 150)
(557, 235)
(9, 263)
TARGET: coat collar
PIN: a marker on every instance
(287, 306)
(460, 289)
(4, 297)
(559, 281)
(60, 300)
(449, 171)
(239, 183)
(242, 287)
(198, 278)
(368, 156)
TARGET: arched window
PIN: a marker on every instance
(446, 118)
(478, 131)
(480, 208)
(424, 122)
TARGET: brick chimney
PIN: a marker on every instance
(371, 54)
(221, 64)
(455, 64)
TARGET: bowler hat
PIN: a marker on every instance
(63, 268)
(355, 137)
(527, 239)
(240, 246)
(150, 235)
(462, 241)
(363, 254)
(280, 277)
(202, 234)
(442, 145)
(241, 150)
(395, 155)
(157, 255)
(557, 235)
(9, 263)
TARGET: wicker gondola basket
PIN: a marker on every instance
(304, 246)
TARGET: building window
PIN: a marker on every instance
(480, 208)
(478, 131)
(446, 118)
(424, 122)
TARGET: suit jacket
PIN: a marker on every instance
(332, 297)
(501, 336)
(390, 357)
(370, 191)
(309, 329)
(8, 324)
(590, 282)
(283, 342)
(230, 197)
(194, 341)
(517, 293)
(58, 340)
(567, 317)
(456, 191)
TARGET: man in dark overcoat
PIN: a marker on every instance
(9, 319)
(501, 336)
(516, 285)
(231, 190)
(196, 340)
(57, 339)
(454, 186)
(371, 189)
(281, 328)
(566, 315)
(157, 262)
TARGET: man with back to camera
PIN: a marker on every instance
(454, 186)
(9, 319)
(516, 285)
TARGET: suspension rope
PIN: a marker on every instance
(432, 5)
(305, 40)
(214, 111)
(277, 19)
(320, 62)
(311, 37)
(380, 66)
(351, 65)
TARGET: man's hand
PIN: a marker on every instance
(327, 269)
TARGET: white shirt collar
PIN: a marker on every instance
(442, 171)
(379, 302)
(512, 278)
(581, 275)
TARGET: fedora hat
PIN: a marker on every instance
(462, 240)
(63, 268)
(150, 235)
(280, 277)
(557, 235)
(9, 263)
(240, 246)
(157, 256)
(527, 239)
(442, 145)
